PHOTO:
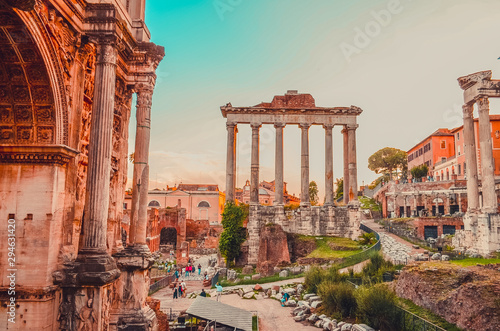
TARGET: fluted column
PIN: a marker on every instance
(353, 168)
(304, 165)
(99, 166)
(278, 167)
(254, 177)
(346, 166)
(231, 161)
(470, 159)
(328, 165)
(487, 165)
(139, 212)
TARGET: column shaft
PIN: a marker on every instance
(254, 177)
(139, 212)
(353, 168)
(328, 165)
(278, 168)
(304, 160)
(230, 161)
(470, 159)
(99, 168)
(487, 165)
(346, 166)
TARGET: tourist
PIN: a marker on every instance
(181, 294)
(184, 288)
(199, 269)
(203, 293)
(219, 291)
(168, 268)
(187, 271)
(175, 292)
(176, 274)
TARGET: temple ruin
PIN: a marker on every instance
(296, 109)
(482, 220)
(68, 72)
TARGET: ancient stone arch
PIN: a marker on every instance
(65, 65)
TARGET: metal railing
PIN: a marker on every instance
(164, 282)
(364, 255)
(412, 322)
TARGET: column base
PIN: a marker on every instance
(135, 256)
(89, 269)
(134, 320)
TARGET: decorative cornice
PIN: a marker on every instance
(468, 81)
(24, 5)
(50, 154)
(353, 110)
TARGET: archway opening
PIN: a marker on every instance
(168, 236)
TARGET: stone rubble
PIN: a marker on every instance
(396, 252)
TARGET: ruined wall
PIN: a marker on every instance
(467, 297)
(313, 221)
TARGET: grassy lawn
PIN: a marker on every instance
(427, 314)
(333, 247)
(473, 261)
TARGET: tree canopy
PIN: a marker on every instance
(313, 193)
(419, 171)
(339, 192)
(234, 234)
(388, 160)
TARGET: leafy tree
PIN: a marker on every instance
(233, 235)
(388, 160)
(419, 171)
(313, 193)
(367, 238)
(339, 192)
(131, 158)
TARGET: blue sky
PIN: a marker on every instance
(402, 74)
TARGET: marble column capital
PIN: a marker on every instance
(483, 103)
(255, 126)
(279, 125)
(231, 125)
(328, 126)
(304, 126)
(351, 127)
(467, 110)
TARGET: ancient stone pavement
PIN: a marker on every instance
(397, 250)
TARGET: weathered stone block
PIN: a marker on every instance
(284, 273)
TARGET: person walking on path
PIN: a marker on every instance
(184, 288)
(199, 269)
(180, 291)
(219, 291)
(175, 292)
(187, 271)
(203, 293)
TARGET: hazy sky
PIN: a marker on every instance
(397, 60)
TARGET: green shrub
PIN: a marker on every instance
(376, 307)
(338, 298)
(313, 278)
(377, 266)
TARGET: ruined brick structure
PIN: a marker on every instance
(68, 71)
(296, 109)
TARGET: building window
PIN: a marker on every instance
(154, 204)
(203, 204)
(465, 168)
(124, 205)
(459, 169)
(458, 150)
(458, 135)
(443, 159)
(443, 144)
